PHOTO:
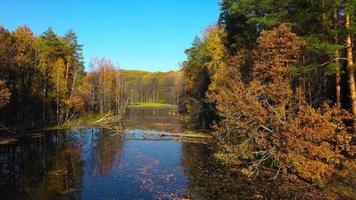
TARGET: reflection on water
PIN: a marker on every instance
(97, 164)
(38, 167)
(159, 119)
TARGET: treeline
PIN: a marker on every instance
(275, 80)
(40, 76)
(43, 81)
(103, 87)
(109, 88)
(157, 87)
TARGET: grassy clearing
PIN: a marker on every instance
(150, 105)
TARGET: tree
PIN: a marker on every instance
(350, 64)
(268, 121)
(40, 70)
(4, 94)
(205, 57)
(50, 50)
(6, 61)
(103, 87)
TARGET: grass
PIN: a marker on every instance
(83, 121)
(150, 105)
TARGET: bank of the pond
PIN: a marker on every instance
(150, 105)
(145, 139)
(284, 186)
(107, 119)
(84, 121)
(90, 120)
(289, 183)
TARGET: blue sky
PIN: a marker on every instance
(136, 34)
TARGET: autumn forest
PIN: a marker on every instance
(273, 82)
(43, 81)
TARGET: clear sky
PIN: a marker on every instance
(136, 34)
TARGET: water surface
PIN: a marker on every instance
(96, 163)
(100, 164)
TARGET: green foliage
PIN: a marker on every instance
(150, 105)
(206, 56)
(332, 69)
(318, 46)
(45, 75)
(151, 87)
(301, 71)
(266, 121)
(278, 55)
(42, 73)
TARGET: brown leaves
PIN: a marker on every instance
(268, 115)
(319, 139)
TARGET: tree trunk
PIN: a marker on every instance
(337, 63)
(67, 72)
(45, 96)
(93, 96)
(71, 95)
(350, 68)
(57, 99)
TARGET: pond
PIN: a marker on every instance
(96, 163)
(99, 164)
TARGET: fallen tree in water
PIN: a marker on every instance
(108, 121)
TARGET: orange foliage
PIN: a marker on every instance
(266, 120)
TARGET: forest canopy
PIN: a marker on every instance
(43, 81)
(275, 82)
